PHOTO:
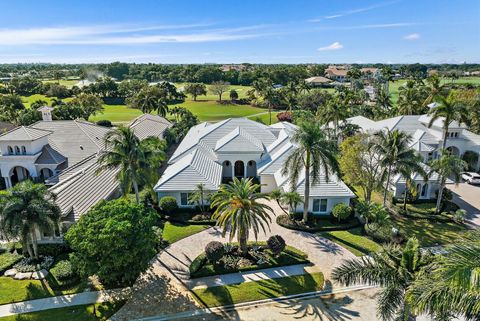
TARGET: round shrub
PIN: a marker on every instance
(214, 251)
(63, 270)
(104, 123)
(168, 204)
(341, 211)
(276, 244)
(31, 265)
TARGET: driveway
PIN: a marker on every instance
(468, 197)
(170, 268)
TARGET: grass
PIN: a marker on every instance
(7, 260)
(69, 83)
(353, 240)
(173, 232)
(76, 313)
(252, 291)
(421, 208)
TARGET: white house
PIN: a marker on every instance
(427, 142)
(212, 154)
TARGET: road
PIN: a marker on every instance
(468, 197)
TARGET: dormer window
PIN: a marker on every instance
(17, 150)
(10, 150)
(24, 150)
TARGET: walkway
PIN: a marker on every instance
(63, 301)
(151, 298)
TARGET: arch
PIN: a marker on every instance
(471, 157)
(18, 174)
(226, 169)
(10, 150)
(424, 191)
(45, 173)
(252, 168)
(17, 150)
(24, 150)
(453, 150)
(239, 169)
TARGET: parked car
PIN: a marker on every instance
(471, 178)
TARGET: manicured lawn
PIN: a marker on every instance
(173, 232)
(422, 208)
(353, 240)
(69, 83)
(7, 260)
(117, 114)
(28, 100)
(77, 313)
(241, 90)
(265, 118)
(252, 291)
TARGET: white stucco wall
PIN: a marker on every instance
(268, 183)
(331, 202)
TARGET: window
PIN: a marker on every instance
(424, 190)
(184, 199)
(227, 163)
(17, 150)
(10, 150)
(319, 205)
(24, 150)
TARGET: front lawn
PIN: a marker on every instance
(173, 232)
(353, 240)
(76, 313)
(252, 291)
(7, 260)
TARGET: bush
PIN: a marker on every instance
(63, 271)
(321, 224)
(104, 123)
(168, 204)
(341, 211)
(459, 216)
(276, 244)
(7, 260)
(214, 251)
(14, 247)
(284, 116)
(54, 250)
(31, 265)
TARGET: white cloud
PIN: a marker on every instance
(355, 11)
(412, 36)
(334, 46)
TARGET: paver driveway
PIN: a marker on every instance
(149, 293)
(468, 197)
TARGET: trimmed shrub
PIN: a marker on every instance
(459, 216)
(342, 211)
(214, 251)
(31, 265)
(64, 272)
(276, 244)
(54, 249)
(104, 123)
(168, 204)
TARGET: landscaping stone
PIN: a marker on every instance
(23, 276)
(40, 275)
(10, 272)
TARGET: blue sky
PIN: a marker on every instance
(224, 31)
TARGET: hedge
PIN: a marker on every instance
(7, 260)
(286, 222)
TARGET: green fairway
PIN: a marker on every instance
(241, 90)
(69, 83)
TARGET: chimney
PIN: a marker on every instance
(46, 113)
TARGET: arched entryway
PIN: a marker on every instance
(453, 150)
(18, 174)
(45, 173)
(471, 158)
(227, 169)
(239, 170)
(252, 169)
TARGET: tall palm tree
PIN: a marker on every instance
(435, 89)
(447, 166)
(25, 209)
(334, 111)
(394, 269)
(393, 148)
(135, 159)
(406, 170)
(452, 285)
(383, 102)
(239, 211)
(448, 109)
(314, 154)
(149, 99)
(411, 97)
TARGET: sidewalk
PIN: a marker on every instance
(62, 301)
(257, 275)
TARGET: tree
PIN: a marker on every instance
(10, 107)
(334, 112)
(199, 197)
(354, 74)
(407, 171)
(57, 90)
(135, 159)
(128, 88)
(448, 110)
(114, 240)
(315, 155)
(196, 89)
(360, 164)
(395, 269)
(434, 89)
(393, 148)
(25, 209)
(341, 211)
(29, 116)
(239, 210)
(291, 199)
(451, 288)
(90, 105)
(218, 88)
(447, 166)
(150, 98)
(411, 98)
(383, 102)
(233, 95)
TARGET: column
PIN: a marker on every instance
(245, 164)
(8, 182)
(233, 169)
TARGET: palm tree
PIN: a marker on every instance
(448, 109)
(334, 111)
(447, 166)
(314, 154)
(25, 209)
(383, 102)
(452, 285)
(411, 97)
(393, 148)
(292, 199)
(394, 269)
(387, 76)
(407, 171)
(135, 159)
(199, 197)
(239, 211)
(435, 89)
(150, 98)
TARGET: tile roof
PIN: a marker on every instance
(23, 133)
(49, 156)
(238, 140)
(148, 125)
(275, 162)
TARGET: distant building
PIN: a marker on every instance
(318, 81)
(336, 74)
(230, 67)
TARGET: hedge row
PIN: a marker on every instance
(286, 222)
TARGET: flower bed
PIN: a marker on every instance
(258, 257)
(320, 224)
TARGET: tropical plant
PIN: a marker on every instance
(25, 209)
(407, 170)
(214, 251)
(394, 269)
(199, 197)
(435, 89)
(446, 166)
(411, 98)
(335, 112)
(315, 155)
(218, 88)
(150, 98)
(341, 211)
(196, 89)
(135, 160)
(447, 109)
(291, 199)
(393, 148)
(239, 210)
(168, 204)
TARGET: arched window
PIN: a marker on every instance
(17, 150)
(10, 150)
(227, 163)
(24, 150)
(424, 190)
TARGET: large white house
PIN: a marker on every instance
(238, 147)
(427, 142)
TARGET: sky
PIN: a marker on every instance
(254, 31)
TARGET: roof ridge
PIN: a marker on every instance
(83, 130)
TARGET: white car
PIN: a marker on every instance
(471, 178)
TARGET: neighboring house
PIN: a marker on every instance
(336, 74)
(63, 154)
(318, 81)
(427, 142)
(212, 154)
(370, 73)
(230, 67)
